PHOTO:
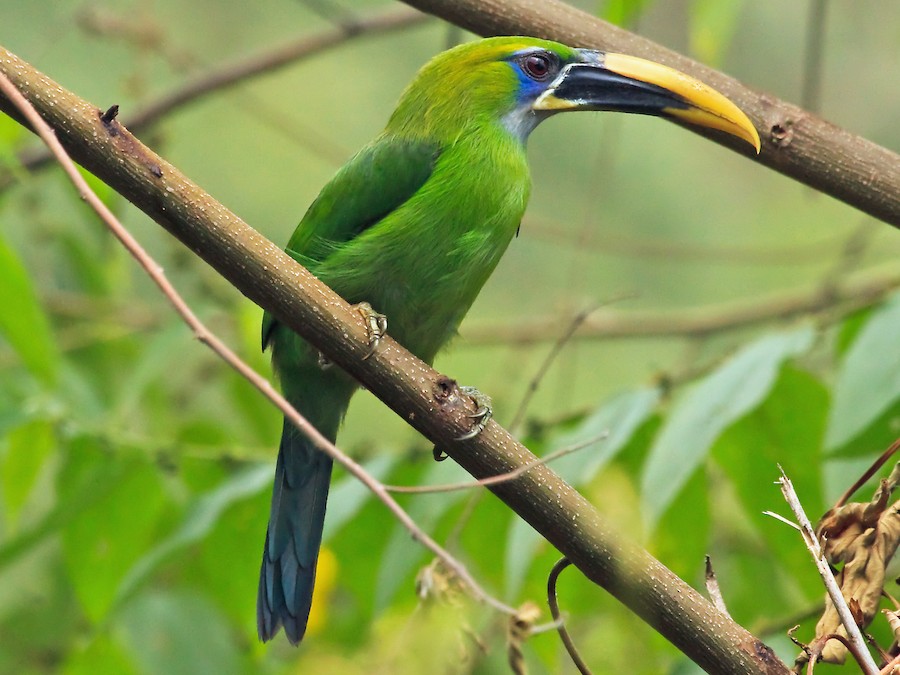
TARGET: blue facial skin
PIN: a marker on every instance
(522, 120)
(529, 88)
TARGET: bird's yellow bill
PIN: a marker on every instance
(708, 108)
(630, 84)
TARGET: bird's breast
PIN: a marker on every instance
(424, 264)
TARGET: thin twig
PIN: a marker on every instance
(811, 94)
(542, 370)
(155, 271)
(856, 643)
(816, 647)
(889, 668)
(862, 480)
(553, 602)
(499, 478)
(778, 516)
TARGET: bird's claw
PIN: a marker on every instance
(482, 414)
(376, 325)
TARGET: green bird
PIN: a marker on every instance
(414, 225)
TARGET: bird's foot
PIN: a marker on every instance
(376, 325)
(482, 414)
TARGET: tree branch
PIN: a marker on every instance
(794, 141)
(429, 401)
(231, 74)
(689, 322)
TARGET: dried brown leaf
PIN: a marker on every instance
(519, 630)
(893, 619)
(435, 582)
(862, 537)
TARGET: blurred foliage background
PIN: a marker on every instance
(135, 470)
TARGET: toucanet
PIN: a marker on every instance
(415, 223)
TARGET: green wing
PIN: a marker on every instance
(376, 181)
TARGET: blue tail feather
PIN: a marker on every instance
(293, 537)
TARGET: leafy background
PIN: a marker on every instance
(135, 470)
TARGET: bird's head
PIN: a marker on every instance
(520, 81)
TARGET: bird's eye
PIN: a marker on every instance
(537, 66)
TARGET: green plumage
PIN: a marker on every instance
(414, 225)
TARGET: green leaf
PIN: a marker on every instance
(873, 440)
(157, 359)
(868, 381)
(713, 24)
(102, 541)
(77, 491)
(22, 320)
(85, 262)
(200, 518)
(348, 495)
(522, 544)
(101, 656)
(682, 537)
(28, 446)
(10, 134)
(612, 425)
(177, 633)
(403, 553)
(700, 416)
(623, 12)
(849, 329)
(786, 430)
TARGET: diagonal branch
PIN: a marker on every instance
(429, 401)
(794, 141)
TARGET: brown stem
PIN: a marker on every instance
(892, 449)
(553, 601)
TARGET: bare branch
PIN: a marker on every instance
(848, 296)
